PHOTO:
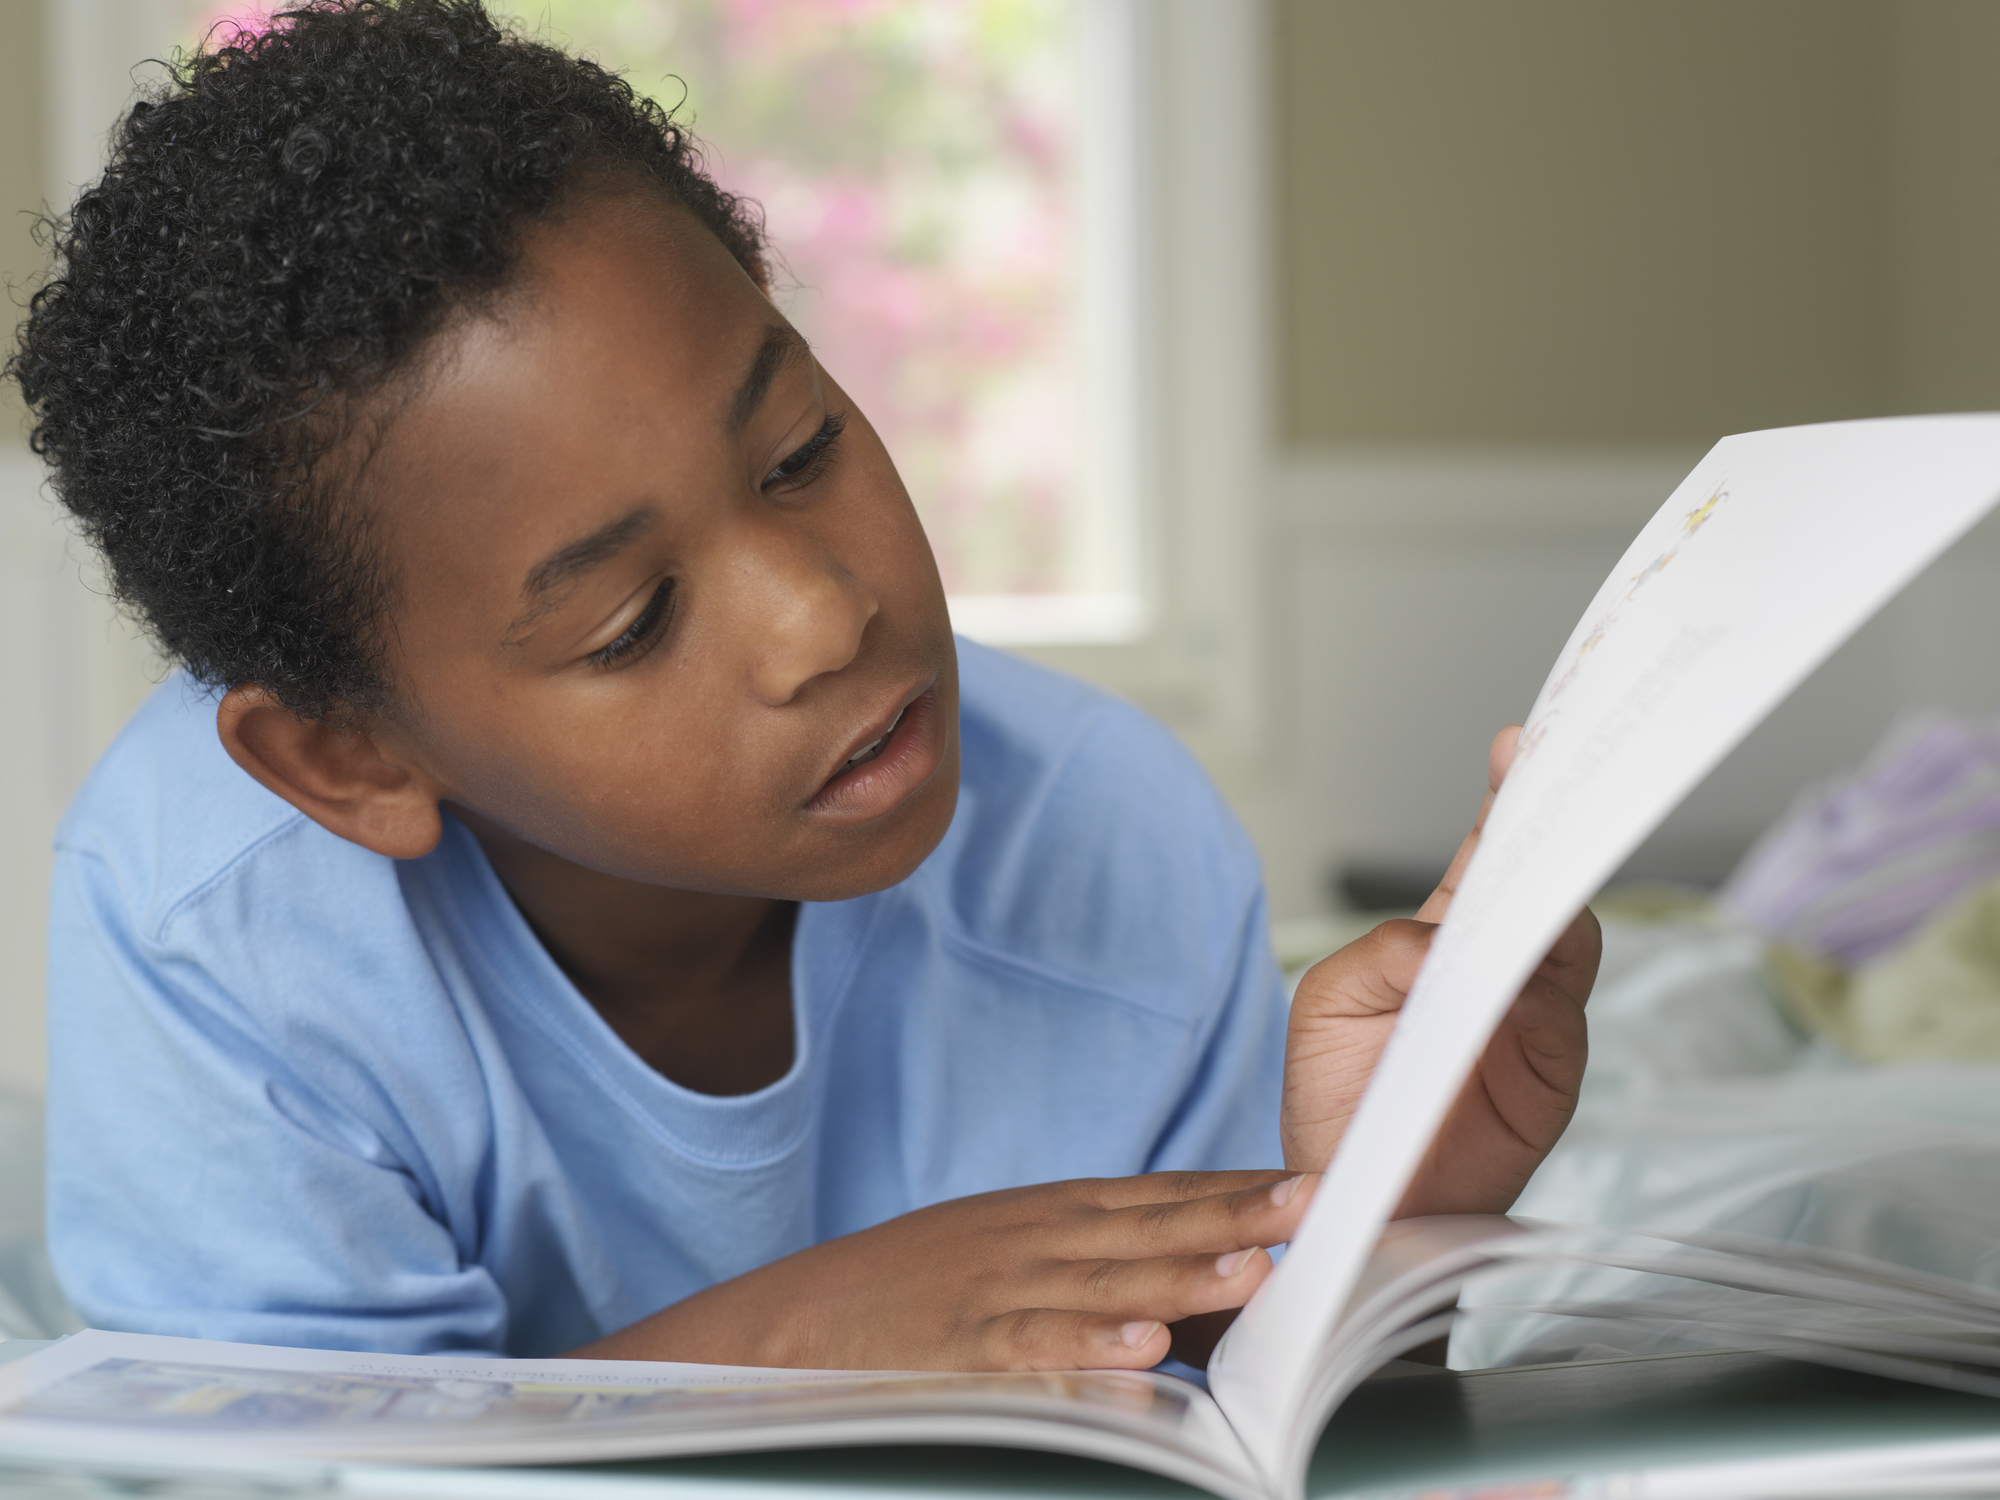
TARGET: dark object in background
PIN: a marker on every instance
(1368, 886)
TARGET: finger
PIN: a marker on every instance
(1263, 1215)
(1571, 964)
(1174, 1187)
(1169, 1287)
(1371, 976)
(1539, 1051)
(1048, 1338)
(1518, 1103)
(1499, 757)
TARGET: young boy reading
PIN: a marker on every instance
(579, 898)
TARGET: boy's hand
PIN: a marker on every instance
(1064, 1276)
(1519, 1097)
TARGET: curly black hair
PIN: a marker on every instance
(282, 225)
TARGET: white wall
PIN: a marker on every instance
(1419, 602)
(67, 68)
(1534, 259)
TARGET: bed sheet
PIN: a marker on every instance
(1705, 1109)
(32, 1305)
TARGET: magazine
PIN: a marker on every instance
(156, 1406)
(1774, 550)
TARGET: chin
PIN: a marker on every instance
(873, 858)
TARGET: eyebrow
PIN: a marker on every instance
(781, 345)
(545, 580)
(540, 590)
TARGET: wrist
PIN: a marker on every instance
(725, 1324)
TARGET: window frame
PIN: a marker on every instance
(1201, 95)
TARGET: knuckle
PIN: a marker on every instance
(1250, 1203)
(1404, 933)
(1015, 1337)
(1179, 1185)
(1153, 1222)
(1081, 1192)
(1101, 1279)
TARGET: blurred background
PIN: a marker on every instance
(1297, 368)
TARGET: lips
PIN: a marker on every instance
(887, 765)
(873, 748)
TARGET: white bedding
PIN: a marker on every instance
(32, 1306)
(1704, 1109)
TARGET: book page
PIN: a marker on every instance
(1701, 1426)
(154, 1398)
(1770, 554)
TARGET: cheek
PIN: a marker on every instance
(875, 490)
(641, 784)
(895, 558)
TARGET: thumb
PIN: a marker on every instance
(1499, 756)
(1371, 976)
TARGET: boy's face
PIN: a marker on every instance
(656, 580)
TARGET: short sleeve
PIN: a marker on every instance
(1091, 842)
(1227, 1115)
(204, 1182)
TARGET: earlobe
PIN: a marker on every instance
(340, 776)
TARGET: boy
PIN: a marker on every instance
(591, 905)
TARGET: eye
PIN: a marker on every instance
(641, 635)
(802, 466)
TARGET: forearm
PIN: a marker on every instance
(772, 1317)
(1087, 1274)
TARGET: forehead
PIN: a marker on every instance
(618, 288)
(603, 377)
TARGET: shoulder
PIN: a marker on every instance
(165, 818)
(1089, 839)
(1085, 761)
(209, 941)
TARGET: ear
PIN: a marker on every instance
(342, 777)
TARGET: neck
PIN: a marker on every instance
(698, 985)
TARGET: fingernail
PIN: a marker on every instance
(1234, 1261)
(1286, 1191)
(1136, 1335)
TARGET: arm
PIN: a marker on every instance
(204, 1185)
(1070, 1274)
(210, 1181)
(1063, 1276)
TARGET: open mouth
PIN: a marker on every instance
(868, 752)
(878, 775)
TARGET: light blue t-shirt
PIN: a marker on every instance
(305, 1094)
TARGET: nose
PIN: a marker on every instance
(798, 606)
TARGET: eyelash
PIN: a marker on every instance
(812, 458)
(641, 635)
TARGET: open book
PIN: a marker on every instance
(1775, 549)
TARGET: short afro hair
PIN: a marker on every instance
(281, 226)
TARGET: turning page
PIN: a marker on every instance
(1770, 554)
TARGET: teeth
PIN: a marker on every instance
(869, 752)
